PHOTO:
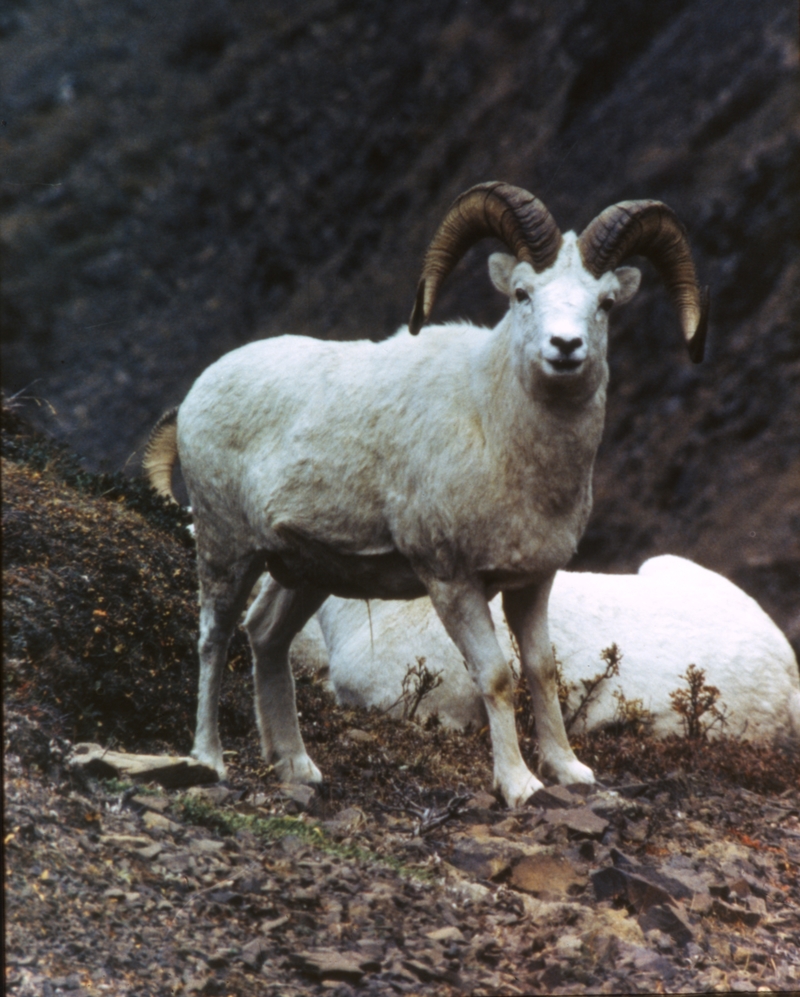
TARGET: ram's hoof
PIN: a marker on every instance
(568, 772)
(212, 762)
(300, 769)
(516, 792)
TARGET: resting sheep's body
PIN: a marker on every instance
(673, 613)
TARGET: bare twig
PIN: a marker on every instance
(429, 818)
(418, 682)
(612, 657)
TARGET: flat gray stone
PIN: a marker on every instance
(582, 820)
(552, 797)
(732, 914)
(327, 964)
(299, 792)
(170, 771)
(669, 918)
(254, 953)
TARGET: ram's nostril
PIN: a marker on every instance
(566, 346)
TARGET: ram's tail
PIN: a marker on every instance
(161, 453)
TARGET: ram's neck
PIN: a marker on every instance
(543, 435)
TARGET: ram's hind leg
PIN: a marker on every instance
(271, 623)
(526, 612)
(223, 594)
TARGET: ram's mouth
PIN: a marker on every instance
(565, 366)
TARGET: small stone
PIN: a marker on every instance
(205, 846)
(633, 789)
(158, 822)
(581, 820)
(482, 855)
(740, 887)
(220, 958)
(254, 953)
(150, 851)
(554, 797)
(482, 801)
(448, 934)
(636, 830)
(299, 793)
(327, 964)
(216, 795)
(151, 802)
(741, 985)
(547, 875)
(569, 947)
(701, 904)
(731, 914)
(195, 984)
(669, 918)
(127, 841)
(351, 816)
(552, 976)
(426, 974)
(358, 736)
(618, 884)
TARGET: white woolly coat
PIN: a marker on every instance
(463, 473)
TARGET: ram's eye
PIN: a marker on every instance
(521, 295)
(607, 304)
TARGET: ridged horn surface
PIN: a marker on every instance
(651, 229)
(508, 213)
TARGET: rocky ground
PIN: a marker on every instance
(402, 874)
(399, 881)
(180, 179)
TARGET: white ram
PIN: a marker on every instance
(671, 614)
(457, 466)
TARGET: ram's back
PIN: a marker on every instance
(325, 438)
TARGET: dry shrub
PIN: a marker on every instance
(760, 768)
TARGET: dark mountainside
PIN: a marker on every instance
(181, 178)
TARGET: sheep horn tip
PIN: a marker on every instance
(697, 343)
(418, 316)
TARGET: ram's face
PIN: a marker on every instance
(560, 316)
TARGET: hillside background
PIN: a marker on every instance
(178, 179)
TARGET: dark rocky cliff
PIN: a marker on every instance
(181, 178)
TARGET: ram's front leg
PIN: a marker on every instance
(526, 612)
(465, 613)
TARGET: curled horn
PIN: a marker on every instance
(651, 229)
(508, 213)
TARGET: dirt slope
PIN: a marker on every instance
(180, 179)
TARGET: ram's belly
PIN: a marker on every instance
(386, 575)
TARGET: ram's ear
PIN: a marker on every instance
(629, 279)
(501, 266)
